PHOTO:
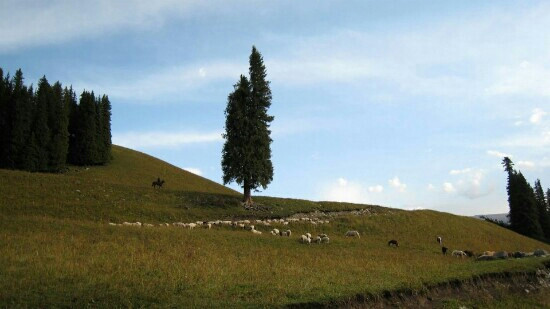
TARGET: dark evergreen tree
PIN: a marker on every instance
(247, 158)
(236, 149)
(58, 122)
(40, 126)
(523, 208)
(86, 132)
(72, 107)
(29, 152)
(105, 111)
(544, 216)
(21, 110)
(5, 116)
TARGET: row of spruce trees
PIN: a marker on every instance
(529, 206)
(43, 130)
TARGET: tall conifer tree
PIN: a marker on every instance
(40, 128)
(22, 114)
(524, 216)
(105, 110)
(247, 152)
(58, 122)
(4, 119)
(544, 216)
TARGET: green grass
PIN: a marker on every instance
(56, 248)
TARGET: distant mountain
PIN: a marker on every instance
(499, 217)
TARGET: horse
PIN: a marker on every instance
(157, 183)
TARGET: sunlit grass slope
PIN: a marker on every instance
(57, 250)
(122, 191)
(65, 262)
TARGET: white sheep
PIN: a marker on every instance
(275, 231)
(353, 234)
(112, 224)
(305, 240)
(458, 253)
(318, 239)
(208, 226)
(308, 235)
(241, 225)
(249, 228)
(285, 223)
(147, 225)
(288, 233)
(191, 226)
(325, 239)
(256, 232)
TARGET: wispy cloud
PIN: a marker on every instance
(163, 139)
(397, 184)
(498, 154)
(376, 189)
(56, 21)
(469, 182)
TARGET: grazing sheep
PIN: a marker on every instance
(249, 228)
(439, 240)
(112, 224)
(458, 253)
(318, 239)
(285, 223)
(147, 225)
(208, 225)
(353, 234)
(444, 250)
(325, 239)
(308, 235)
(283, 233)
(241, 225)
(469, 253)
(323, 235)
(393, 242)
(489, 253)
(288, 233)
(305, 240)
(501, 255)
(485, 258)
(275, 231)
(256, 232)
(191, 226)
(519, 254)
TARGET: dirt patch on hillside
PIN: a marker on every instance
(486, 287)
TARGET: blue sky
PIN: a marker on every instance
(409, 104)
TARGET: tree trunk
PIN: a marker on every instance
(247, 199)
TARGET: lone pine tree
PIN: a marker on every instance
(246, 154)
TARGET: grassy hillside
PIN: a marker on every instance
(56, 248)
(121, 191)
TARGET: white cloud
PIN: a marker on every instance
(163, 139)
(448, 187)
(537, 115)
(430, 187)
(377, 188)
(523, 78)
(470, 183)
(344, 191)
(177, 82)
(193, 170)
(528, 165)
(32, 23)
(498, 154)
(462, 171)
(342, 182)
(396, 183)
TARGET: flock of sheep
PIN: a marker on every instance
(490, 255)
(307, 238)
